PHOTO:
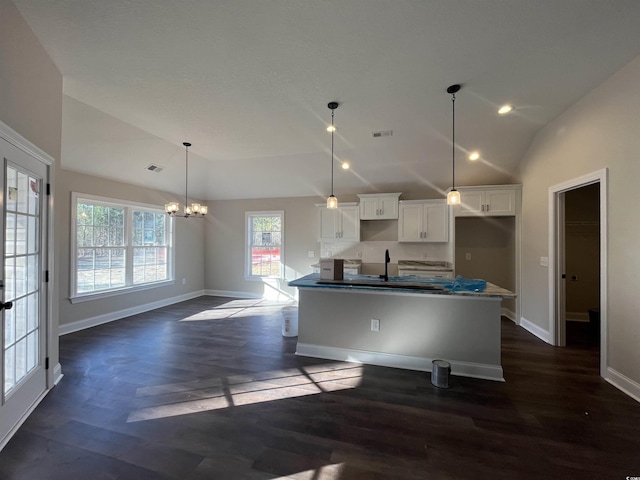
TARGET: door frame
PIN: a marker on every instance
(556, 259)
(50, 324)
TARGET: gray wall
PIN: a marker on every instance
(600, 131)
(30, 100)
(30, 84)
(189, 248)
(225, 243)
(491, 243)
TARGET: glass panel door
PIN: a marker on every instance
(21, 276)
(22, 289)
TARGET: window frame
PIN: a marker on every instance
(247, 244)
(128, 246)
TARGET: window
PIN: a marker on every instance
(118, 246)
(264, 240)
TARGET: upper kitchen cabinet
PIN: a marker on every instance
(423, 221)
(379, 206)
(487, 201)
(339, 224)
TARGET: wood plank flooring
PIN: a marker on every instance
(209, 389)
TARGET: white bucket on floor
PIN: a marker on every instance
(290, 321)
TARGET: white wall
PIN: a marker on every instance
(600, 131)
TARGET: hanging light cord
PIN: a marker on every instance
(453, 138)
(332, 130)
(186, 175)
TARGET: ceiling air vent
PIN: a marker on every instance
(383, 133)
(154, 168)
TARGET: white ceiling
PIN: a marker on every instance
(248, 82)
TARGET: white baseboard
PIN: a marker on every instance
(229, 293)
(57, 374)
(539, 332)
(66, 328)
(623, 383)
(463, 369)
(510, 314)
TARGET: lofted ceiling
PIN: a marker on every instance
(247, 82)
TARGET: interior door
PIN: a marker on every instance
(22, 289)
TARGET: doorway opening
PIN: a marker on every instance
(578, 226)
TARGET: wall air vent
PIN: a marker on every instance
(383, 133)
(154, 168)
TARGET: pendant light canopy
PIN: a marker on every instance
(332, 201)
(194, 209)
(453, 197)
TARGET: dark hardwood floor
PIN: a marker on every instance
(209, 389)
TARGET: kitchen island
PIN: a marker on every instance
(419, 320)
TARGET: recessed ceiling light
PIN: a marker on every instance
(505, 109)
(345, 165)
(474, 156)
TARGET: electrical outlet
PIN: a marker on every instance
(184, 281)
(311, 253)
(467, 256)
(375, 325)
(359, 254)
(544, 261)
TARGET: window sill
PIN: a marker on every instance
(255, 278)
(86, 297)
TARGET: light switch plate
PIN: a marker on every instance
(544, 261)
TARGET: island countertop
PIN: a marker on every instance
(413, 285)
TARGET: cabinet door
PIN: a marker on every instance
(349, 225)
(388, 208)
(471, 203)
(327, 228)
(500, 202)
(436, 222)
(369, 208)
(410, 223)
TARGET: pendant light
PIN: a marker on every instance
(332, 201)
(453, 197)
(194, 209)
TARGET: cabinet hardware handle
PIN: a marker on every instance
(482, 207)
(487, 207)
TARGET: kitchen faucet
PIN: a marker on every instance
(387, 259)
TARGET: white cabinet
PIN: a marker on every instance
(423, 221)
(379, 206)
(339, 224)
(427, 273)
(488, 201)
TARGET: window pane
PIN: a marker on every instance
(103, 238)
(265, 236)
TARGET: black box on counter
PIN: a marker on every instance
(331, 269)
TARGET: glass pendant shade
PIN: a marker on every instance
(453, 197)
(194, 209)
(171, 208)
(332, 201)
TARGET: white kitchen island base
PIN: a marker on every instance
(415, 329)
